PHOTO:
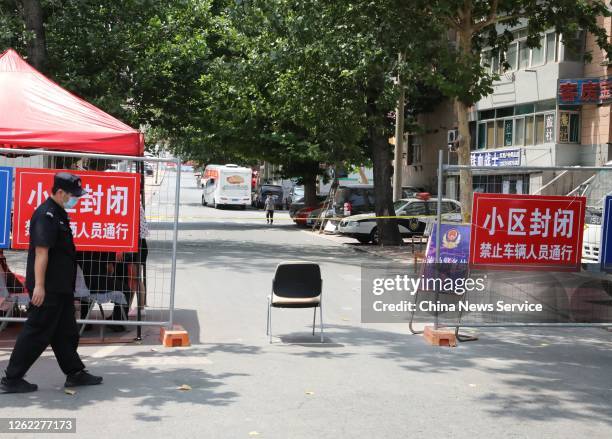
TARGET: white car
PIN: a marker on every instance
(591, 237)
(363, 227)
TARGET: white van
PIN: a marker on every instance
(226, 185)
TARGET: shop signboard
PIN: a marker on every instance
(506, 157)
(584, 91)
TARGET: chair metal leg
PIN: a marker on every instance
(9, 314)
(321, 312)
(89, 308)
(102, 326)
(101, 311)
(268, 317)
(314, 319)
(269, 325)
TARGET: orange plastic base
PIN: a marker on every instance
(440, 337)
(175, 337)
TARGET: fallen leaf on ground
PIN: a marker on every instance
(472, 385)
(69, 392)
(184, 387)
(253, 433)
(309, 393)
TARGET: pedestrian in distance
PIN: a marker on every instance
(50, 278)
(269, 206)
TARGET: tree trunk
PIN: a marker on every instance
(310, 190)
(37, 43)
(388, 231)
(466, 187)
(465, 176)
(380, 148)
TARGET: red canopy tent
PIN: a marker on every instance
(35, 112)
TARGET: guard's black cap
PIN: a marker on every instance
(69, 183)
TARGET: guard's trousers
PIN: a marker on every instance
(53, 323)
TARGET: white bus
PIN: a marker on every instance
(226, 185)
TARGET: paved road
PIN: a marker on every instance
(367, 381)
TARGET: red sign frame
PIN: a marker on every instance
(533, 232)
(97, 223)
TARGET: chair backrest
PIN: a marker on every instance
(297, 280)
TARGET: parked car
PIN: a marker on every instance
(301, 216)
(315, 216)
(296, 193)
(591, 237)
(411, 191)
(363, 227)
(260, 195)
(360, 197)
(299, 204)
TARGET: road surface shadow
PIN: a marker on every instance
(150, 379)
(552, 375)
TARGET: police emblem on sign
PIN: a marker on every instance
(451, 239)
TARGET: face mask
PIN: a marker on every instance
(71, 202)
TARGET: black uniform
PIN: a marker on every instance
(53, 323)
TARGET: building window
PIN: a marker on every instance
(511, 55)
(499, 140)
(472, 126)
(551, 47)
(539, 129)
(520, 56)
(569, 127)
(490, 134)
(522, 125)
(413, 157)
(519, 131)
(417, 154)
(537, 53)
(482, 135)
(529, 130)
(575, 50)
(524, 53)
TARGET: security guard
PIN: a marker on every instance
(51, 275)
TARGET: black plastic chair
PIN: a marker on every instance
(296, 284)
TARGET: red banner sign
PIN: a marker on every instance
(105, 219)
(527, 231)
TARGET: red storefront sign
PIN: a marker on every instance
(527, 231)
(105, 219)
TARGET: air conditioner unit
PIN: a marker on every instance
(452, 136)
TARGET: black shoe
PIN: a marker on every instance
(18, 385)
(82, 378)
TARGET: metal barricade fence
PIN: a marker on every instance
(583, 292)
(114, 287)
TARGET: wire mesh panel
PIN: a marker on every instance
(536, 235)
(126, 269)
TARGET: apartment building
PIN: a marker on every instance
(548, 109)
